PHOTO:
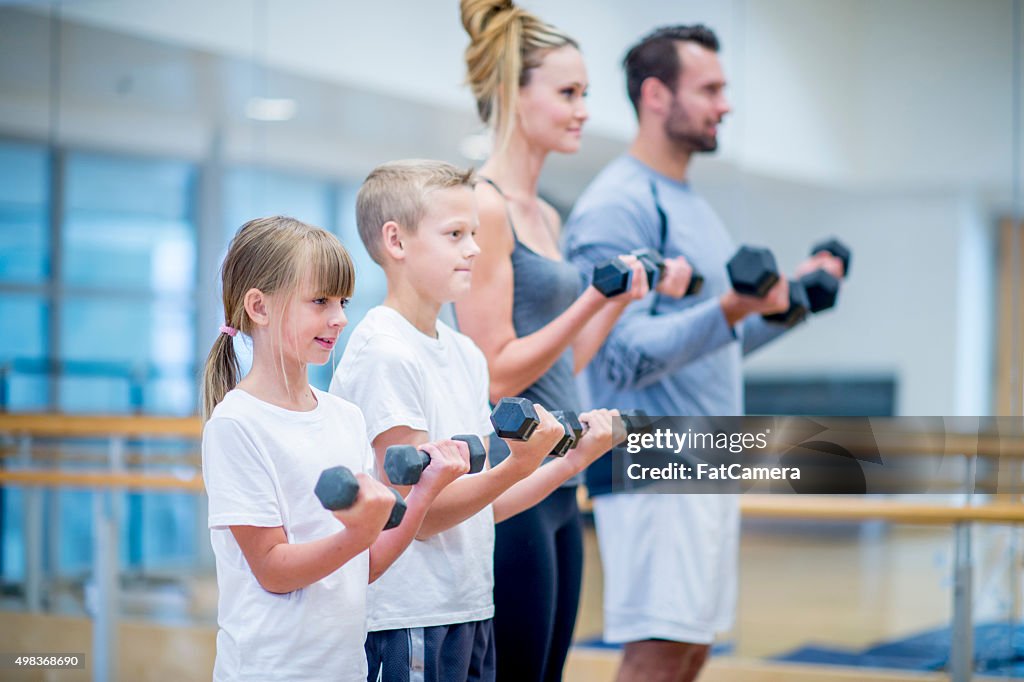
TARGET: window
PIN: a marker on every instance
(127, 323)
(24, 271)
(24, 231)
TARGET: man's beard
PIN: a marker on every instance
(679, 131)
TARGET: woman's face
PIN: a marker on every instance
(552, 109)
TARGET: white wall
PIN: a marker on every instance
(916, 306)
(868, 92)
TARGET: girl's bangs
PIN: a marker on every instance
(330, 268)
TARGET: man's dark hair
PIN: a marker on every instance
(655, 56)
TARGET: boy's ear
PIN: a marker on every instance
(257, 307)
(392, 235)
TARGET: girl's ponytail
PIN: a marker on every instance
(221, 373)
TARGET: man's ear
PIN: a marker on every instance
(655, 96)
(392, 236)
(257, 307)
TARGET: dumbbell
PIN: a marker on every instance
(337, 489)
(404, 464)
(753, 272)
(572, 421)
(612, 277)
(837, 249)
(823, 288)
(633, 421)
(654, 266)
(516, 419)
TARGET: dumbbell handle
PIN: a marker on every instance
(632, 420)
(654, 266)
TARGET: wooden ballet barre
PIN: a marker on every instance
(809, 507)
(51, 478)
(69, 426)
(131, 457)
(824, 508)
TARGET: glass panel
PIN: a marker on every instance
(168, 524)
(24, 232)
(119, 354)
(14, 536)
(252, 192)
(75, 509)
(23, 339)
(22, 327)
(127, 224)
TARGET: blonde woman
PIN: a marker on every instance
(530, 311)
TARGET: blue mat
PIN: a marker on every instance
(998, 650)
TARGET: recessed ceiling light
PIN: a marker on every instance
(271, 108)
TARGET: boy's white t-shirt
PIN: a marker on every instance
(399, 376)
(260, 465)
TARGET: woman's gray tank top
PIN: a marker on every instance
(543, 289)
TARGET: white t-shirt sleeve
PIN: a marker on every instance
(384, 382)
(369, 461)
(239, 479)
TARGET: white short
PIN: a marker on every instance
(670, 565)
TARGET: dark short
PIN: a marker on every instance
(442, 653)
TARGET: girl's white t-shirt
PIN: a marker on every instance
(260, 465)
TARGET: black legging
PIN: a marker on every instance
(538, 568)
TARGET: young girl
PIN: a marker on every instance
(527, 313)
(293, 576)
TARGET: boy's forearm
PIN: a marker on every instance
(534, 488)
(465, 497)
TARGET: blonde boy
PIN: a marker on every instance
(414, 378)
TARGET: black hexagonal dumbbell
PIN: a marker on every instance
(337, 488)
(837, 249)
(612, 277)
(799, 306)
(516, 419)
(823, 288)
(654, 266)
(633, 421)
(752, 271)
(572, 421)
(404, 464)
